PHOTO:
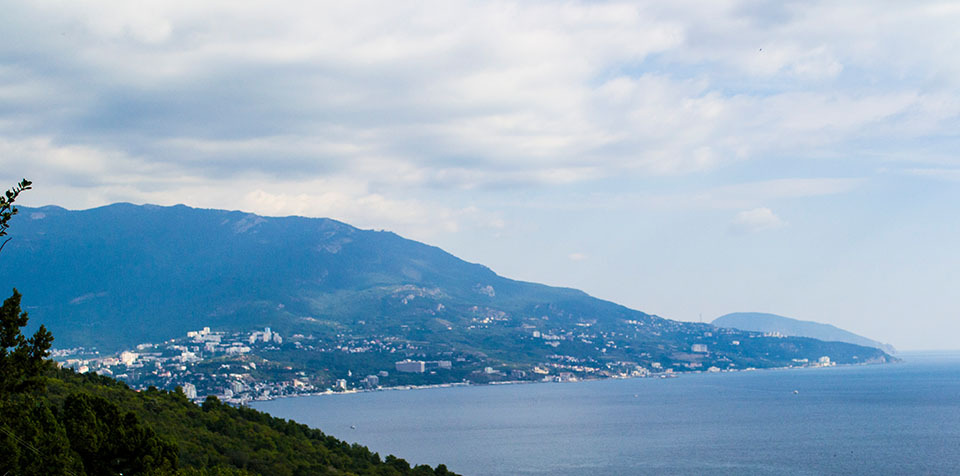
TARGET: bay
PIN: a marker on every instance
(884, 419)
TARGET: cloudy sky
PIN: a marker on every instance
(683, 158)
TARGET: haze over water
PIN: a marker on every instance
(883, 419)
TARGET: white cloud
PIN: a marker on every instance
(147, 102)
(577, 256)
(750, 193)
(724, 197)
(757, 219)
(952, 175)
(522, 93)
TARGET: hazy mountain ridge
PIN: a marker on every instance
(123, 274)
(133, 273)
(766, 322)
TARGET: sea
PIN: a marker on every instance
(897, 419)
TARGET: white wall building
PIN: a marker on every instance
(127, 357)
(190, 390)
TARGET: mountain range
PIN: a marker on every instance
(765, 322)
(123, 274)
(119, 275)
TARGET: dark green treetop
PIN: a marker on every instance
(22, 360)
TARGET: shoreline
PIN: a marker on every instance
(658, 376)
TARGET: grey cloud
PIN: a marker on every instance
(546, 95)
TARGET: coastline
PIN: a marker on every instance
(658, 376)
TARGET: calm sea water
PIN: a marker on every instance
(890, 419)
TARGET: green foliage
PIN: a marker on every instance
(7, 210)
(21, 359)
(211, 439)
(113, 442)
(33, 439)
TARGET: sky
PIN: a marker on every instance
(687, 159)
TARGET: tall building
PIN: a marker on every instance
(190, 390)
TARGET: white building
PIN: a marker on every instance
(417, 366)
(127, 357)
(699, 348)
(190, 390)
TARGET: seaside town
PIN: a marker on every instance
(232, 366)
(262, 364)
